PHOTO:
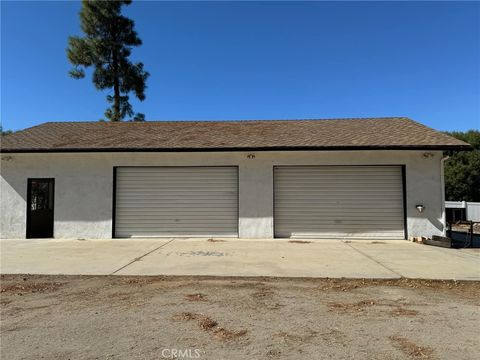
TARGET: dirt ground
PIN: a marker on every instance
(109, 317)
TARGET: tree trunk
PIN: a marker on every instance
(116, 80)
(116, 90)
(116, 99)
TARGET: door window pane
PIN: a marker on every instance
(42, 198)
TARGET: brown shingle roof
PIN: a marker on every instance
(329, 134)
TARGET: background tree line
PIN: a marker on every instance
(462, 170)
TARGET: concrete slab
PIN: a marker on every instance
(238, 257)
(258, 258)
(472, 252)
(419, 261)
(71, 257)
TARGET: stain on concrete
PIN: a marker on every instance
(201, 253)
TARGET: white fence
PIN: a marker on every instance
(472, 209)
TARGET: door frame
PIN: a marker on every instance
(403, 169)
(29, 199)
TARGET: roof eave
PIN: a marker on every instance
(237, 149)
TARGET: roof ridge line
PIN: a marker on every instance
(221, 121)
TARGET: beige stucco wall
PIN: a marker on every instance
(83, 186)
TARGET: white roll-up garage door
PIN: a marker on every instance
(339, 202)
(176, 201)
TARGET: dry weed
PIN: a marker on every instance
(30, 287)
(208, 324)
(301, 338)
(348, 307)
(228, 335)
(400, 311)
(411, 349)
(196, 297)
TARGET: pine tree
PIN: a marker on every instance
(106, 46)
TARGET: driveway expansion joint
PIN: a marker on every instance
(372, 259)
(141, 257)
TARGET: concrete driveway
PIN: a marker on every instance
(238, 257)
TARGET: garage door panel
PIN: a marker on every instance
(351, 218)
(344, 197)
(193, 234)
(173, 214)
(177, 206)
(152, 211)
(334, 235)
(173, 198)
(339, 202)
(176, 201)
(153, 221)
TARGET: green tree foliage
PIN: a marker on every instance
(462, 170)
(6, 132)
(106, 45)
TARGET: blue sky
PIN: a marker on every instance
(257, 60)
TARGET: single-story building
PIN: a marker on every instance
(375, 178)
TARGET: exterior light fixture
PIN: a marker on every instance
(251, 156)
(420, 208)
